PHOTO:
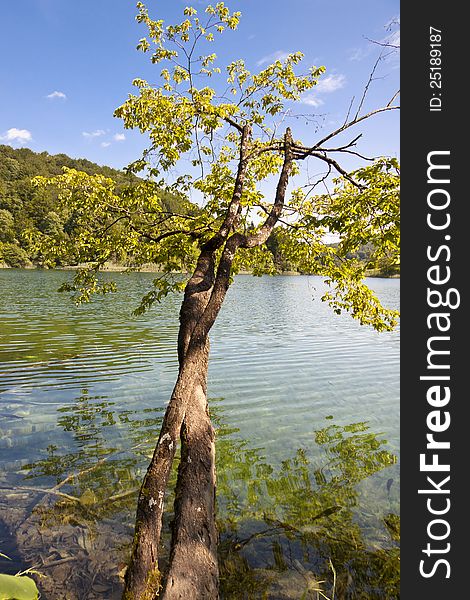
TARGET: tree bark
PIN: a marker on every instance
(143, 579)
(193, 569)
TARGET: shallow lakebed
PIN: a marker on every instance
(306, 407)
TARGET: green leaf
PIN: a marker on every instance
(13, 587)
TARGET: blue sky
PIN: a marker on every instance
(67, 65)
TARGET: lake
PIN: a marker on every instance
(306, 407)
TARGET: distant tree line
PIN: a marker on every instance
(364, 255)
(26, 211)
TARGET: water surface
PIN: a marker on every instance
(305, 402)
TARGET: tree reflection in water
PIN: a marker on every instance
(303, 522)
(303, 528)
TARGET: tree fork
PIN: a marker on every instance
(193, 569)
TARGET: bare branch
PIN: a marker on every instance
(346, 149)
(367, 86)
(349, 110)
(322, 179)
(369, 158)
(52, 492)
(383, 44)
(301, 153)
(395, 95)
(353, 122)
(285, 114)
(341, 148)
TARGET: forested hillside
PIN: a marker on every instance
(25, 210)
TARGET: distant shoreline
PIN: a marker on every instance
(150, 268)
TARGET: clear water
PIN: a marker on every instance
(83, 389)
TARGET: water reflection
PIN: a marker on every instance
(299, 530)
(106, 452)
(72, 509)
(292, 530)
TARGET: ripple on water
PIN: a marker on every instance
(79, 383)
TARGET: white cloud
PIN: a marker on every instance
(359, 53)
(327, 85)
(392, 40)
(93, 134)
(57, 95)
(18, 136)
(270, 58)
(105, 144)
(311, 100)
(119, 137)
(393, 27)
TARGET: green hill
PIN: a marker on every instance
(24, 210)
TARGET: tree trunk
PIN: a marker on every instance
(193, 559)
(193, 569)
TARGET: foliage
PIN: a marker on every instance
(230, 133)
(365, 215)
(14, 587)
(6, 226)
(26, 213)
(13, 255)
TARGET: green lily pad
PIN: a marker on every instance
(13, 587)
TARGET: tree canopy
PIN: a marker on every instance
(220, 132)
(226, 123)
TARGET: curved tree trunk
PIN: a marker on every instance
(188, 405)
(193, 569)
(143, 579)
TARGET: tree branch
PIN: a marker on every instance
(233, 123)
(355, 121)
(258, 238)
(162, 236)
(302, 154)
(366, 89)
(233, 208)
(383, 44)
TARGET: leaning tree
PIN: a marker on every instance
(228, 138)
